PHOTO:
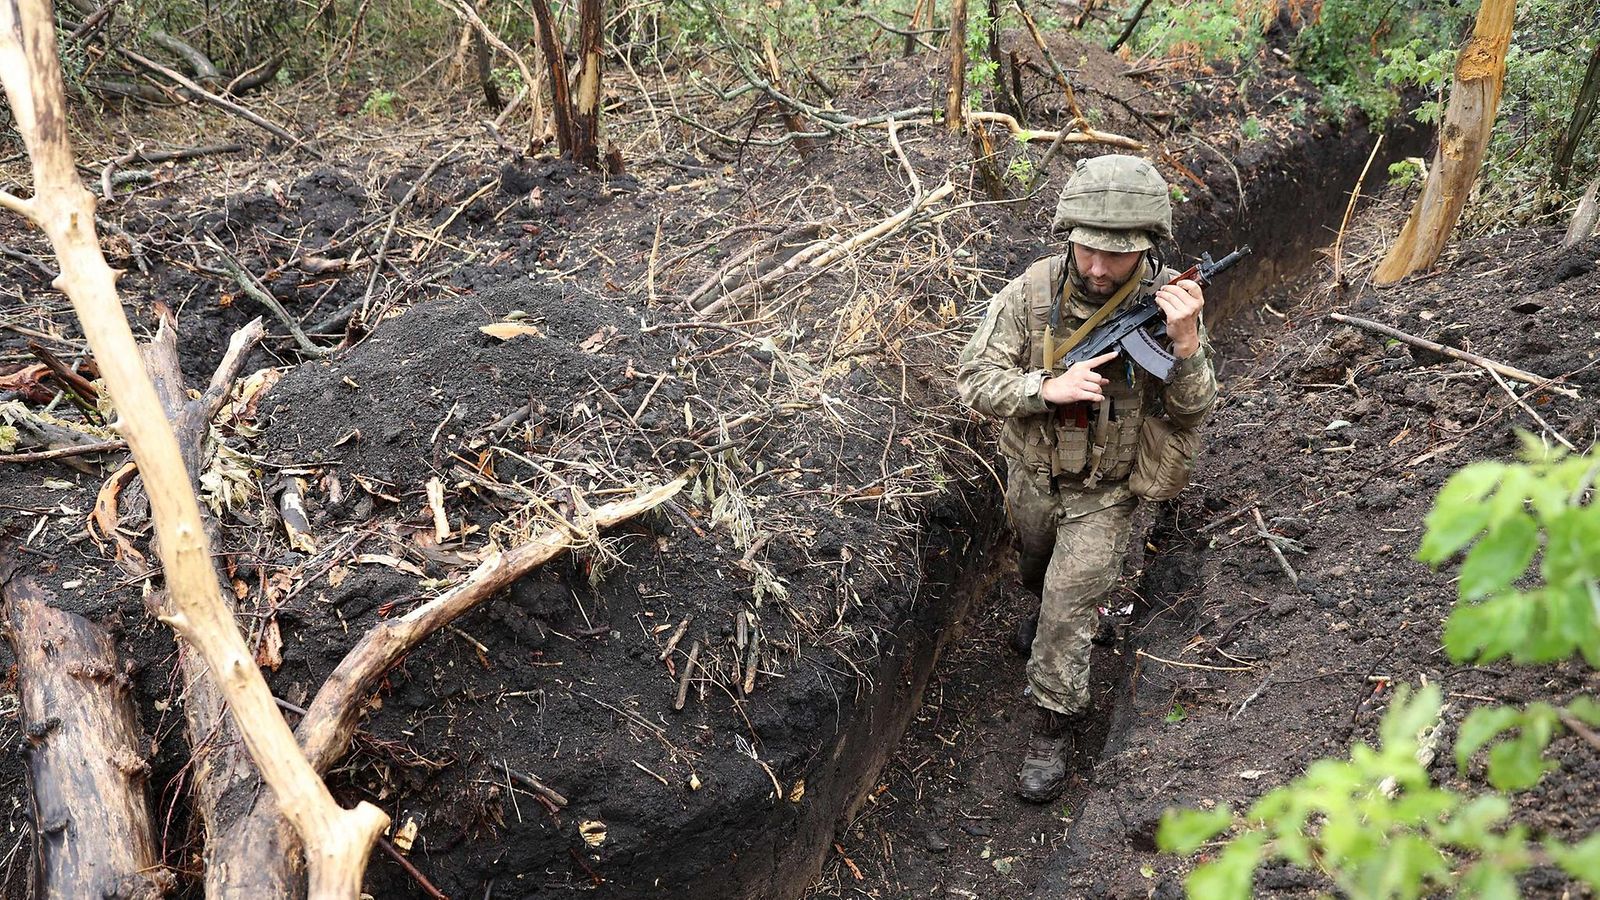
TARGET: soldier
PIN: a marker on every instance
(1072, 439)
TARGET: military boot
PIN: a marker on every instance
(1022, 638)
(1044, 767)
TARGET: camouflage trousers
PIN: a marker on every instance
(1070, 545)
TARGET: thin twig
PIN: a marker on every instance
(63, 452)
(1529, 409)
(1272, 544)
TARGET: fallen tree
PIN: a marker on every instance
(84, 748)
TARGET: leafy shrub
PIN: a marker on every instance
(1375, 823)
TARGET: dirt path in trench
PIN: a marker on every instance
(1239, 679)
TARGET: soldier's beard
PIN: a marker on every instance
(1095, 292)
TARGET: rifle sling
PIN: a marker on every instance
(1054, 351)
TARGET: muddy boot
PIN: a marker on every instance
(1022, 639)
(1044, 768)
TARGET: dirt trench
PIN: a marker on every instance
(1295, 200)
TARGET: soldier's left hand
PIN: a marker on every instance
(1182, 302)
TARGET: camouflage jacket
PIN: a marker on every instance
(1001, 371)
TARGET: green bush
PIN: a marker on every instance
(1529, 539)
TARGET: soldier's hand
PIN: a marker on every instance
(1078, 383)
(1182, 302)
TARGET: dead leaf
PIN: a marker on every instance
(505, 331)
(103, 521)
(593, 831)
(25, 381)
(595, 342)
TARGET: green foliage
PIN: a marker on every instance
(1503, 516)
(1544, 68)
(1528, 535)
(379, 104)
(1374, 823)
(1176, 714)
(1518, 764)
(1406, 172)
(1362, 53)
(1021, 169)
(1206, 30)
(1251, 129)
(983, 72)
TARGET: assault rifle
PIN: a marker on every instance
(1126, 330)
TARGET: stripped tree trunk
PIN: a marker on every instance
(955, 97)
(1585, 216)
(93, 835)
(1463, 140)
(591, 61)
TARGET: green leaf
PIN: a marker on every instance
(1457, 514)
(1489, 880)
(1483, 725)
(1450, 529)
(1409, 714)
(1472, 826)
(1580, 860)
(1585, 709)
(1403, 865)
(1499, 557)
(1229, 876)
(1518, 765)
(1183, 831)
(1176, 714)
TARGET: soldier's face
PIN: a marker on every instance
(1104, 271)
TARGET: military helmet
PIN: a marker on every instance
(1115, 202)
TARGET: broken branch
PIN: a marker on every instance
(1453, 353)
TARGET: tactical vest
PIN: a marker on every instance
(1082, 444)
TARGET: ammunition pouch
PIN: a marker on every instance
(1164, 460)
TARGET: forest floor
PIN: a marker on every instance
(840, 499)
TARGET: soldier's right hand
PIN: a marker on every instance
(1078, 383)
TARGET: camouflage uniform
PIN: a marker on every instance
(1067, 492)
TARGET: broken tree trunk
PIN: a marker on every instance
(339, 840)
(1463, 140)
(556, 64)
(93, 835)
(225, 780)
(586, 108)
(955, 97)
(1585, 216)
(330, 721)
